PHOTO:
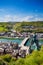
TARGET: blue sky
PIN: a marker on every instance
(21, 10)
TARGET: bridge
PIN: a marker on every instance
(24, 41)
(23, 47)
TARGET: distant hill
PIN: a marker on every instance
(35, 26)
(29, 26)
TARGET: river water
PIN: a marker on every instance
(19, 41)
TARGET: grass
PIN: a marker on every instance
(1, 29)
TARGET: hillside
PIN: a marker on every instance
(35, 58)
(22, 26)
(29, 27)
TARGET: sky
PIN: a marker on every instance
(21, 10)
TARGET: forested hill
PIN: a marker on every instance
(22, 26)
(35, 23)
(38, 23)
(35, 26)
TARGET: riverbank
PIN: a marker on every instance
(40, 38)
(11, 38)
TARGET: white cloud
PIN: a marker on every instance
(38, 19)
(8, 18)
(26, 18)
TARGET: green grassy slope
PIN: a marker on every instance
(35, 58)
